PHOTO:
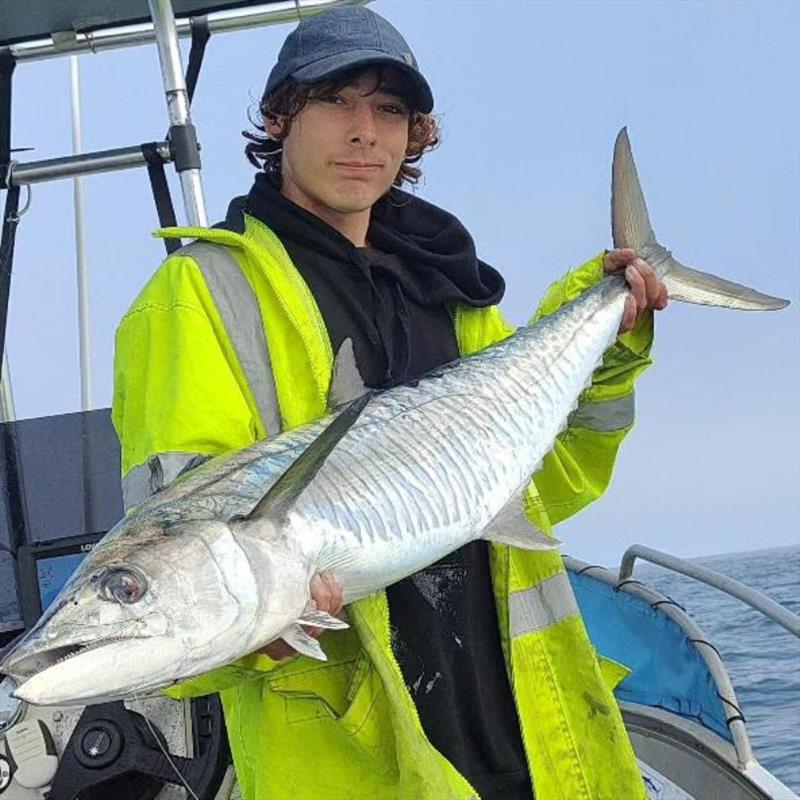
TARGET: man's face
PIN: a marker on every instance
(344, 150)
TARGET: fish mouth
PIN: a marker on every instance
(23, 663)
(111, 669)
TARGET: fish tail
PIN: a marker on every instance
(630, 225)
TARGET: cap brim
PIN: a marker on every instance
(420, 94)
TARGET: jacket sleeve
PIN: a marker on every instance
(179, 394)
(178, 388)
(579, 468)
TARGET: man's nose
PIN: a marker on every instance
(363, 130)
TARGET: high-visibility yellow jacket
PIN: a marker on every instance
(348, 727)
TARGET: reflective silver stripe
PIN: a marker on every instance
(154, 475)
(604, 415)
(241, 315)
(537, 608)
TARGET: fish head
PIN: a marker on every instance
(153, 605)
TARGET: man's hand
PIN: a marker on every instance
(647, 291)
(327, 594)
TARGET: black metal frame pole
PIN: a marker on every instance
(10, 218)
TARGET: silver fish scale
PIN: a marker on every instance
(425, 469)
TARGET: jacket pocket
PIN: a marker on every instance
(346, 693)
(363, 693)
(314, 691)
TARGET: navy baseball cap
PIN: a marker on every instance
(344, 38)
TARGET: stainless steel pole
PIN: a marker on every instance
(53, 169)
(169, 55)
(84, 342)
(7, 413)
(754, 599)
(229, 19)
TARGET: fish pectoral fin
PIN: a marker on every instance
(346, 383)
(511, 526)
(283, 494)
(307, 645)
(322, 619)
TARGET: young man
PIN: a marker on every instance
(474, 677)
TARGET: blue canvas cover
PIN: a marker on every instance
(667, 670)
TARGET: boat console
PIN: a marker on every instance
(61, 493)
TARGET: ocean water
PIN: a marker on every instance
(762, 659)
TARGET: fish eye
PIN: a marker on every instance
(121, 585)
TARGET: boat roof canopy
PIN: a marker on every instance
(24, 21)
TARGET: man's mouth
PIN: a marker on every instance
(358, 167)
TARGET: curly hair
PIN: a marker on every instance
(264, 152)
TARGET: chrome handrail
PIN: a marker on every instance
(695, 635)
(776, 612)
(62, 43)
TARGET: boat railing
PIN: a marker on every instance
(752, 597)
(694, 634)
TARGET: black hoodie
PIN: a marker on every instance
(394, 299)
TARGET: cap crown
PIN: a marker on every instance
(342, 30)
(342, 38)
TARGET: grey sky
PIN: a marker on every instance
(530, 97)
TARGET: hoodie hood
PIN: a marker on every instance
(393, 298)
(440, 266)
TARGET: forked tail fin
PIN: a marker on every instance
(630, 226)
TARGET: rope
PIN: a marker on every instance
(737, 716)
(668, 602)
(157, 738)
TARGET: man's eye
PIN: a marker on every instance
(395, 110)
(331, 98)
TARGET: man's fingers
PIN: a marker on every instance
(327, 593)
(629, 315)
(637, 286)
(337, 593)
(647, 291)
(614, 260)
(328, 596)
(651, 282)
(321, 592)
(663, 298)
(278, 650)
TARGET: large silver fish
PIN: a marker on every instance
(219, 563)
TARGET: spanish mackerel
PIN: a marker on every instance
(219, 563)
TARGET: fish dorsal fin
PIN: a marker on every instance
(283, 494)
(346, 383)
(630, 222)
(511, 526)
